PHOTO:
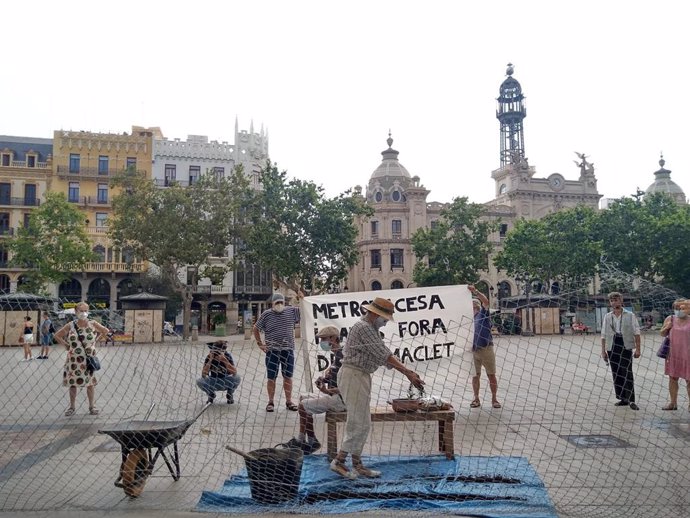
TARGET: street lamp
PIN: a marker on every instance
(527, 328)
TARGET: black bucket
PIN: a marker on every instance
(274, 474)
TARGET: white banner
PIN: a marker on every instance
(426, 326)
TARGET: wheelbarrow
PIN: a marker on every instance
(137, 440)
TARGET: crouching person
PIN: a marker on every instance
(219, 372)
(328, 401)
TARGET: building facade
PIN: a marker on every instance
(25, 176)
(183, 162)
(83, 166)
(386, 259)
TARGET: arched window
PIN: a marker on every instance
(375, 285)
(504, 289)
(395, 196)
(378, 196)
(396, 285)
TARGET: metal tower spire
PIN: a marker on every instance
(510, 112)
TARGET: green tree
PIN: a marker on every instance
(306, 239)
(177, 227)
(456, 248)
(54, 244)
(562, 247)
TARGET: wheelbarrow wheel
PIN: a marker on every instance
(134, 472)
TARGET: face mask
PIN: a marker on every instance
(82, 315)
(380, 322)
(278, 307)
(680, 313)
(325, 345)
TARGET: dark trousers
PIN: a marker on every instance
(620, 360)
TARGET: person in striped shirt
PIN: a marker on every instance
(278, 343)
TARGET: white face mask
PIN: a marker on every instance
(380, 322)
(278, 307)
(325, 345)
(82, 315)
(680, 313)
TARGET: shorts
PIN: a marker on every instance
(486, 357)
(323, 403)
(47, 340)
(29, 339)
(280, 358)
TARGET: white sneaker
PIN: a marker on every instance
(342, 470)
(366, 472)
(25, 360)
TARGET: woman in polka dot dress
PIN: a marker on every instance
(80, 339)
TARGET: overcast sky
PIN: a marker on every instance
(329, 79)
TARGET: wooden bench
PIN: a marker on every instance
(445, 419)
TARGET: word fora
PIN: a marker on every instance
(419, 353)
(352, 308)
(412, 328)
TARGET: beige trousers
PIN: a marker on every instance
(355, 387)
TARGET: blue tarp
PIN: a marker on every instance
(479, 486)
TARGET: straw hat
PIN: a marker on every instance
(382, 307)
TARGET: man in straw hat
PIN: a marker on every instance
(363, 354)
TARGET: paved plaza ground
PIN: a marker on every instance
(557, 412)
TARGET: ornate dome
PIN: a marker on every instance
(663, 183)
(390, 166)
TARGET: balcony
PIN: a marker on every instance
(24, 164)
(115, 267)
(89, 173)
(212, 290)
(97, 231)
(19, 202)
(166, 182)
(89, 201)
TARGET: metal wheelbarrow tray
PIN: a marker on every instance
(137, 439)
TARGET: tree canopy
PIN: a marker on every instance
(53, 245)
(456, 248)
(562, 247)
(178, 227)
(305, 238)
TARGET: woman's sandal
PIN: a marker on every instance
(475, 404)
(670, 407)
(496, 404)
(291, 406)
(270, 407)
(94, 411)
(69, 411)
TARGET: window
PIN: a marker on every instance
(218, 172)
(101, 219)
(6, 159)
(131, 163)
(31, 161)
(396, 227)
(396, 285)
(396, 196)
(194, 172)
(74, 162)
(502, 189)
(502, 230)
(27, 219)
(103, 193)
(170, 174)
(376, 286)
(103, 164)
(4, 222)
(4, 257)
(434, 224)
(99, 251)
(397, 258)
(374, 229)
(5, 193)
(30, 194)
(73, 192)
(376, 258)
(378, 196)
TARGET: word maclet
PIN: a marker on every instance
(352, 308)
(421, 353)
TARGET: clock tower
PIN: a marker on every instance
(511, 112)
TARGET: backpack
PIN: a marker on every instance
(51, 328)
